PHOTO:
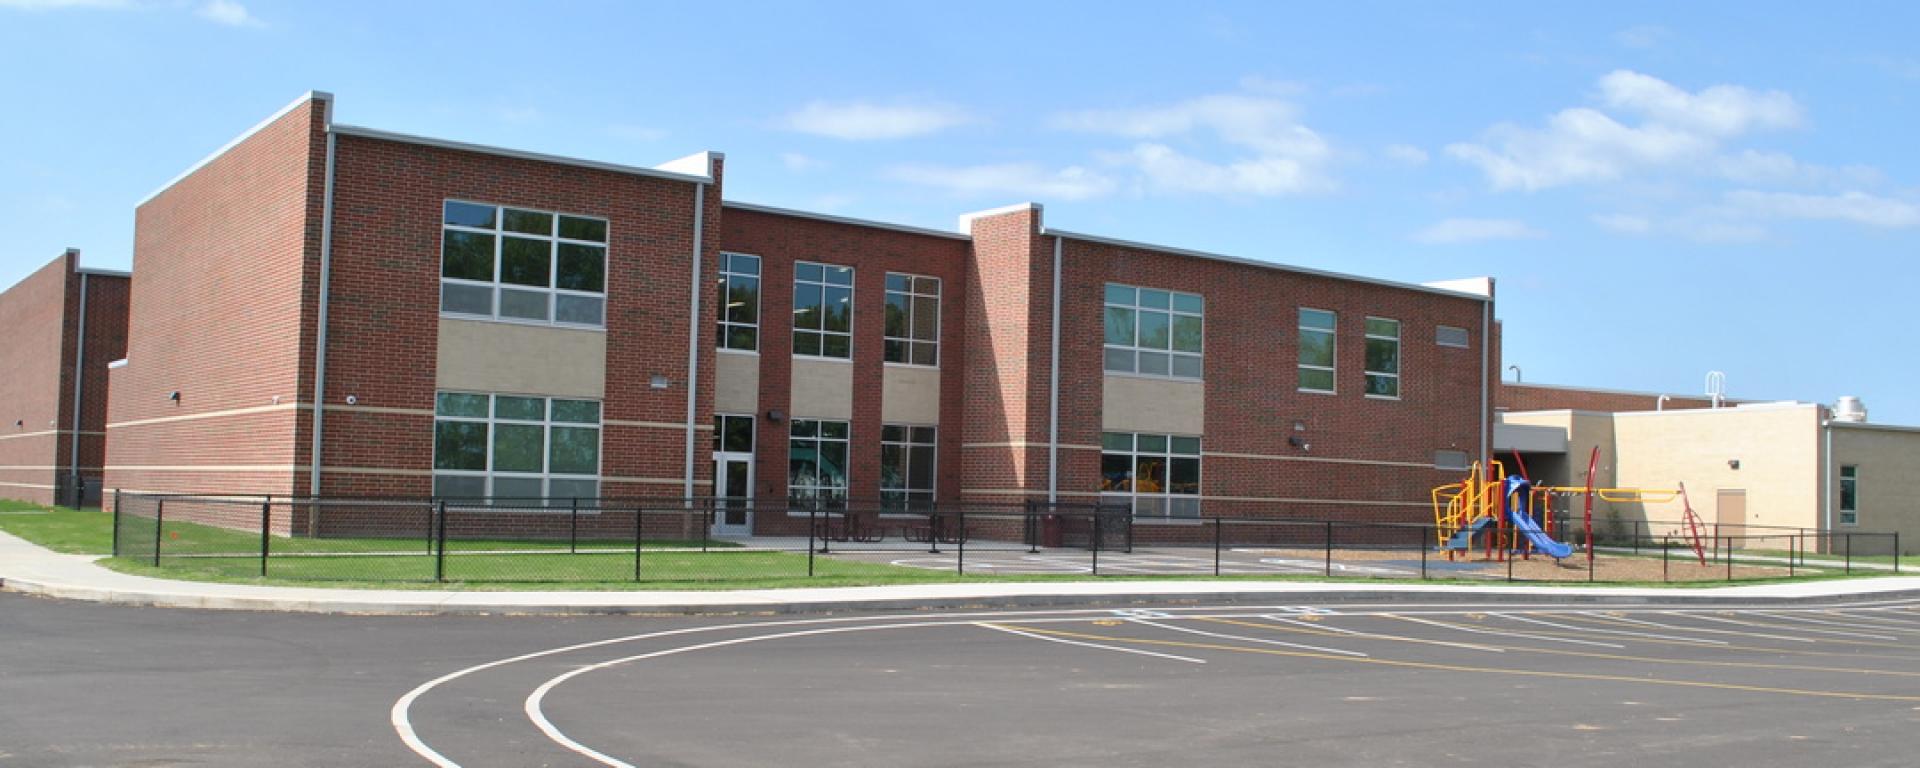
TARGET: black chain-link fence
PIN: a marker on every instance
(742, 542)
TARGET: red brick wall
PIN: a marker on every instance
(219, 308)
(34, 381)
(1008, 338)
(781, 240)
(106, 331)
(1524, 397)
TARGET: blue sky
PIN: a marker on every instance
(1662, 189)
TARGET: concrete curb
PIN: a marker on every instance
(1175, 594)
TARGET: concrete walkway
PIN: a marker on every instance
(29, 568)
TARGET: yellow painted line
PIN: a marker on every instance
(1479, 670)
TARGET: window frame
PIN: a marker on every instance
(1849, 491)
(932, 491)
(551, 290)
(546, 475)
(1135, 349)
(914, 296)
(1399, 381)
(817, 439)
(720, 433)
(1333, 336)
(759, 303)
(1439, 339)
(1133, 494)
(852, 287)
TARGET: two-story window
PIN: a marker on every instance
(907, 464)
(739, 302)
(1154, 332)
(525, 265)
(822, 310)
(913, 319)
(1158, 474)
(817, 460)
(1849, 495)
(509, 446)
(1316, 364)
(1383, 357)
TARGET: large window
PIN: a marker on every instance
(516, 264)
(1154, 332)
(739, 302)
(913, 319)
(906, 464)
(732, 433)
(817, 460)
(1383, 357)
(1158, 474)
(1316, 350)
(508, 446)
(822, 311)
(1849, 498)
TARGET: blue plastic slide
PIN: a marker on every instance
(1520, 491)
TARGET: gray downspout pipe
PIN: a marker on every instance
(79, 370)
(1486, 341)
(320, 336)
(1053, 385)
(694, 330)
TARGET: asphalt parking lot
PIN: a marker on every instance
(1340, 685)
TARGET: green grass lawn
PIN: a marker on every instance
(82, 532)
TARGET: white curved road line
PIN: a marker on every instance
(1498, 633)
(1224, 636)
(1083, 644)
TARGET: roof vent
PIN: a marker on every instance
(1849, 408)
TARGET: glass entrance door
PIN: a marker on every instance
(733, 478)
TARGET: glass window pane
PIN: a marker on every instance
(1383, 356)
(1120, 360)
(833, 430)
(459, 486)
(1183, 507)
(928, 286)
(1154, 331)
(457, 404)
(838, 308)
(926, 353)
(901, 283)
(926, 318)
(530, 222)
(466, 299)
(520, 408)
(1314, 318)
(806, 343)
(1152, 299)
(582, 267)
(525, 262)
(576, 228)
(576, 411)
(743, 337)
(893, 466)
(1187, 302)
(526, 305)
(893, 433)
(899, 313)
(836, 346)
(583, 310)
(575, 451)
(743, 299)
(460, 445)
(1153, 443)
(838, 275)
(573, 488)
(469, 215)
(466, 255)
(1186, 333)
(738, 437)
(898, 351)
(805, 271)
(518, 488)
(1117, 441)
(1120, 326)
(746, 265)
(1120, 294)
(1150, 474)
(517, 447)
(1116, 472)
(1380, 327)
(1189, 446)
(1187, 366)
(806, 307)
(804, 428)
(1385, 386)
(1316, 348)
(833, 464)
(1449, 336)
(1184, 476)
(920, 467)
(1317, 380)
(922, 435)
(1154, 363)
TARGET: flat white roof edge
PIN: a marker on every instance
(847, 220)
(320, 96)
(104, 272)
(1051, 232)
(1606, 391)
(1872, 426)
(407, 138)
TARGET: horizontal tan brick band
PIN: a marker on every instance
(379, 409)
(1320, 459)
(48, 432)
(288, 468)
(377, 471)
(653, 480)
(35, 486)
(653, 424)
(1026, 444)
(211, 415)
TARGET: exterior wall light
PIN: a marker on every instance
(659, 382)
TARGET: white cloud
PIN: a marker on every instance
(1856, 207)
(1626, 224)
(1280, 156)
(1405, 154)
(1585, 145)
(1019, 180)
(229, 13)
(799, 163)
(1455, 231)
(1642, 36)
(857, 121)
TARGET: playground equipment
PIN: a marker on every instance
(1489, 502)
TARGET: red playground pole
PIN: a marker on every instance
(1593, 463)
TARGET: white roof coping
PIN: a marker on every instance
(326, 100)
(847, 220)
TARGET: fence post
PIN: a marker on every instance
(1426, 534)
(1666, 552)
(1590, 569)
(961, 557)
(707, 530)
(1216, 547)
(1636, 544)
(637, 517)
(1849, 554)
(159, 521)
(266, 524)
(1791, 552)
(813, 529)
(1096, 540)
(116, 522)
(1329, 542)
(1896, 551)
(440, 539)
(1510, 557)
(1729, 556)
(573, 527)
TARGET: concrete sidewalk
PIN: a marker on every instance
(31, 569)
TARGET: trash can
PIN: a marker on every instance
(1050, 534)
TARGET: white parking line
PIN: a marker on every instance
(1657, 625)
(1621, 632)
(1724, 620)
(1065, 641)
(1376, 636)
(1479, 631)
(1224, 636)
(1805, 620)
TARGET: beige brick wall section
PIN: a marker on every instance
(822, 390)
(910, 395)
(736, 383)
(482, 356)
(1134, 404)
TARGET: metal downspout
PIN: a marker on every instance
(79, 370)
(320, 338)
(1053, 385)
(693, 331)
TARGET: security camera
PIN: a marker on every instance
(351, 400)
